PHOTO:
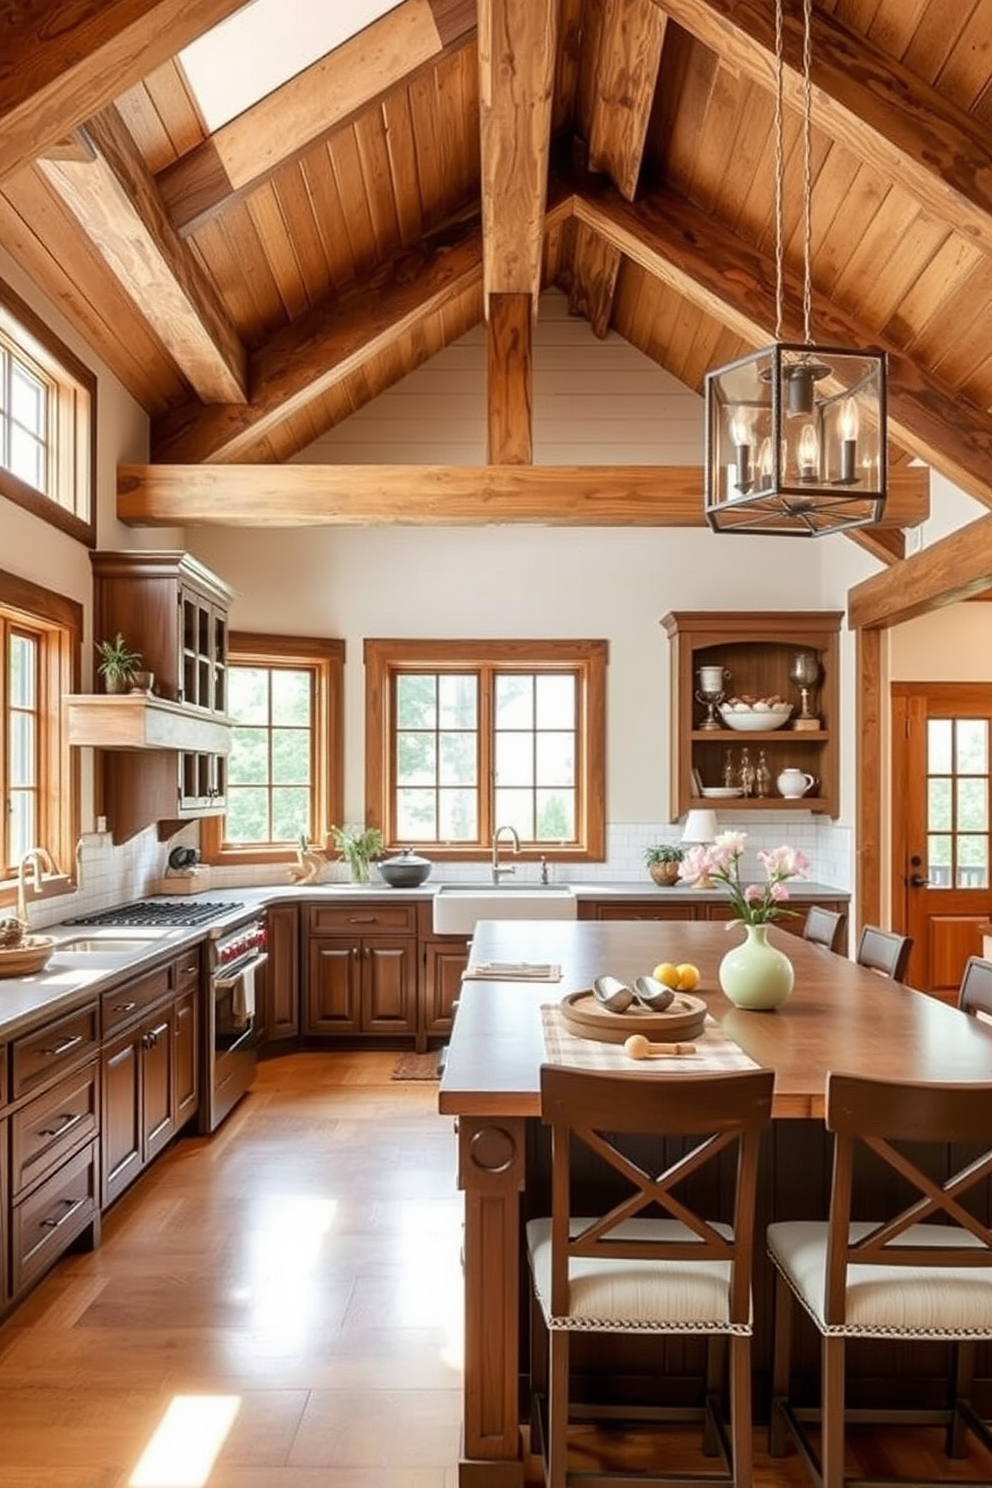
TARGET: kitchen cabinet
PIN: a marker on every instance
(445, 958)
(755, 652)
(149, 1067)
(163, 757)
(278, 982)
(4, 1190)
(51, 1186)
(361, 969)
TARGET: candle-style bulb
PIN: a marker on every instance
(809, 453)
(848, 441)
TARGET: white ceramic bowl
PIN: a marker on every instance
(756, 720)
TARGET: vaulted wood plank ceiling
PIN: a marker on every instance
(255, 286)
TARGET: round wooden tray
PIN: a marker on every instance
(28, 957)
(587, 1018)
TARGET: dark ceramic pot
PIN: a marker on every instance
(406, 870)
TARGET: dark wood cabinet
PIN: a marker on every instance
(361, 969)
(278, 989)
(445, 958)
(754, 652)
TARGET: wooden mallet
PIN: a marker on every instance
(639, 1047)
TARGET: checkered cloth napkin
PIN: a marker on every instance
(714, 1050)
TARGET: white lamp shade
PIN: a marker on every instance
(700, 826)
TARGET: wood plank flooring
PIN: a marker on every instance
(305, 1260)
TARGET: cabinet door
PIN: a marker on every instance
(279, 999)
(4, 1210)
(186, 1065)
(157, 1061)
(202, 782)
(334, 972)
(444, 964)
(121, 1117)
(203, 649)
(640, 909)
(389, 986)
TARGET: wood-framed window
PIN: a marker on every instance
(47, 422)
(40, 639)
(462, 737)
(285, 771)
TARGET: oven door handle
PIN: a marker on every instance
(223, 982)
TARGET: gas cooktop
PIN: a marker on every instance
(157, 912)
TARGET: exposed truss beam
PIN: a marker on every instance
(62, 61)
(866, 100)
(632, 35)
(437, 495)
(312, 106)
(517, 49)
(321, 349)
(509, 381)
(955, 568)
(702, 259)
(113, 197)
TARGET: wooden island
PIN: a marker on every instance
(839, 1017)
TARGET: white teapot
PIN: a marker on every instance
(794, 783)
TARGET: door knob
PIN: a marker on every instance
(918, 881)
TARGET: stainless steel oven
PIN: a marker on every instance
(231, 1035)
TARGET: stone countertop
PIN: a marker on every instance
(71, 979)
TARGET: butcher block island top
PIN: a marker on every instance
(839, 1016)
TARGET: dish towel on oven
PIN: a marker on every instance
(243, 998)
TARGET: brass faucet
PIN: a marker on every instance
(40, 861)
(498, 871)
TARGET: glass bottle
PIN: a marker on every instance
(745, 778)
(729, 771)
(762, 776)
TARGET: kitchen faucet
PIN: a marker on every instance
(499, 871)
(40, 861)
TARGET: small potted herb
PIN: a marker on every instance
(663, 861)
(358, 846)
(118, 663)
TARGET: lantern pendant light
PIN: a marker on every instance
(795, 433)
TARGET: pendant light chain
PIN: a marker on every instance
(779, 171)
(807, 174)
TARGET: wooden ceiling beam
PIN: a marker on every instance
(517, 56)
(956, 568)
(432, 495)
(62, 61)
(883, 543)
(732, 280)
(112, 195)
(313, 106)
(866, 100)
(591, 277)
(633, 32)
(509, 382)
(317, 352)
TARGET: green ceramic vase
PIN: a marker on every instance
(754, 974)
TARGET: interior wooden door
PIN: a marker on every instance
(941, 772)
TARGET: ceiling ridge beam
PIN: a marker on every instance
(312, 355)
(890, 118)
(111, 193)
(62, 61)
(437, 495)
(312, 107)
(729, 278)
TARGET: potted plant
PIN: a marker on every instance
(118, 663)
(663, 860)
(358, 845)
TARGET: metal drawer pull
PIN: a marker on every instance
(54, 1224)
(68, 1120)
(124, 1007)
(63, 1048)
(363, 919)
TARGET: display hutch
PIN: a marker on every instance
(755, 654)
(164, 751)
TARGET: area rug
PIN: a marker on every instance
(416, 1067)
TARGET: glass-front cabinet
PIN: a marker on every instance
(754, 709)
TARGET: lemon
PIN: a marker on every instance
(667, 975)
(688, 976)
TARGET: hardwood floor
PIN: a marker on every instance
(304, 1261)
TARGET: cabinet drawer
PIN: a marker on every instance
(124, 1004)
(58, 1046)
(53, 1125)
(363, 919)
(49, 1219)
(186, 971)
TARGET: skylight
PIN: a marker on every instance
(263, 45)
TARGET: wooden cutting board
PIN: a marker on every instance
(585, 1016)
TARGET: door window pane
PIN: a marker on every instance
(939, 862)
(939, 752)
(973, 863)
(958, 802)
(972, 746)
